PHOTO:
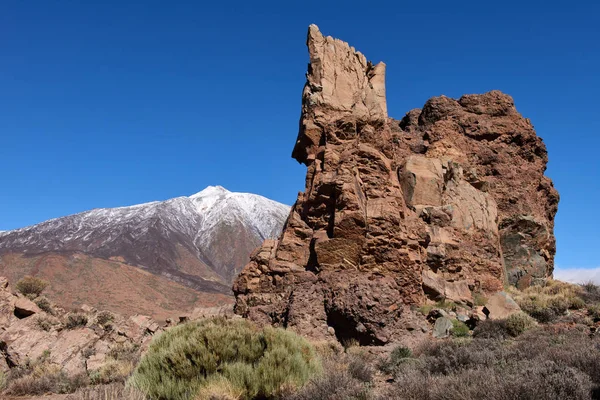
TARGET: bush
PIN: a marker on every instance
(594, 312)
(334, 385)
(31, 286)
(590, 292)
(44, 323)
(513, 326)
(112, 371)
(459, 329)
(44, 304)
(398, 356)
(76, 320)
(518, 323)
(491, 329)
(191, 358)
(104, 317)
(125, 352)
(360, 369)
(541, 363)
(46, 379)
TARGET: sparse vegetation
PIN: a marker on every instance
(513, 326)
(398, 356)
(44, 323)
(348, 374)
(547, 302)
(76, 320)
(112, 371)
(40, 377)
(104, 318)
(44, 304)
(109, 392)
(31, 286)
(218, 354)
(459, 329)
(542, 363)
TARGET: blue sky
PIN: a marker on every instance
(114, 103)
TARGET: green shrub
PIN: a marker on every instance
(31, 286)
(398, 356)
(190, 358)
(518, 323)
(459, 329)
(76, 320)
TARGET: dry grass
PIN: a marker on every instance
(546, 303)
(42, 379)
(112, 371)
(108, 392)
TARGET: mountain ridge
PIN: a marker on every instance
(186, 239)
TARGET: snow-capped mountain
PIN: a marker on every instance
(202, 241)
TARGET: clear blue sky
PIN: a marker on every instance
(110, 103)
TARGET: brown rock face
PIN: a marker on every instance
(449, 201)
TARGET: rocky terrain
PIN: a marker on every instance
(70, 344)
(449, 203)
(156, 258)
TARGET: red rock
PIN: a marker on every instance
(449, 200)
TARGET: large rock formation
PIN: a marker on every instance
(448, 202)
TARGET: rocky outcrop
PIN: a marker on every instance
(29, 335)
(448, 202)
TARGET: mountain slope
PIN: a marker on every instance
(201, 241)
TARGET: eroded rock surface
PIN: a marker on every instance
(29, 334)
(447, 202)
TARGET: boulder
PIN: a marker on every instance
(442, 327)
(500, 306)
(25, 308)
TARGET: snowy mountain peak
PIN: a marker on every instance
(208, 235)
(210, 191)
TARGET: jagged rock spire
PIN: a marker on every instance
(340, 82)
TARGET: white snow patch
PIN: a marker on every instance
(194, 217)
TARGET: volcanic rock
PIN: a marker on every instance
(25, 307)
(449, 201)
(47, 338)
(500, 306)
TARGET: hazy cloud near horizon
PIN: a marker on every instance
(578, 275)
